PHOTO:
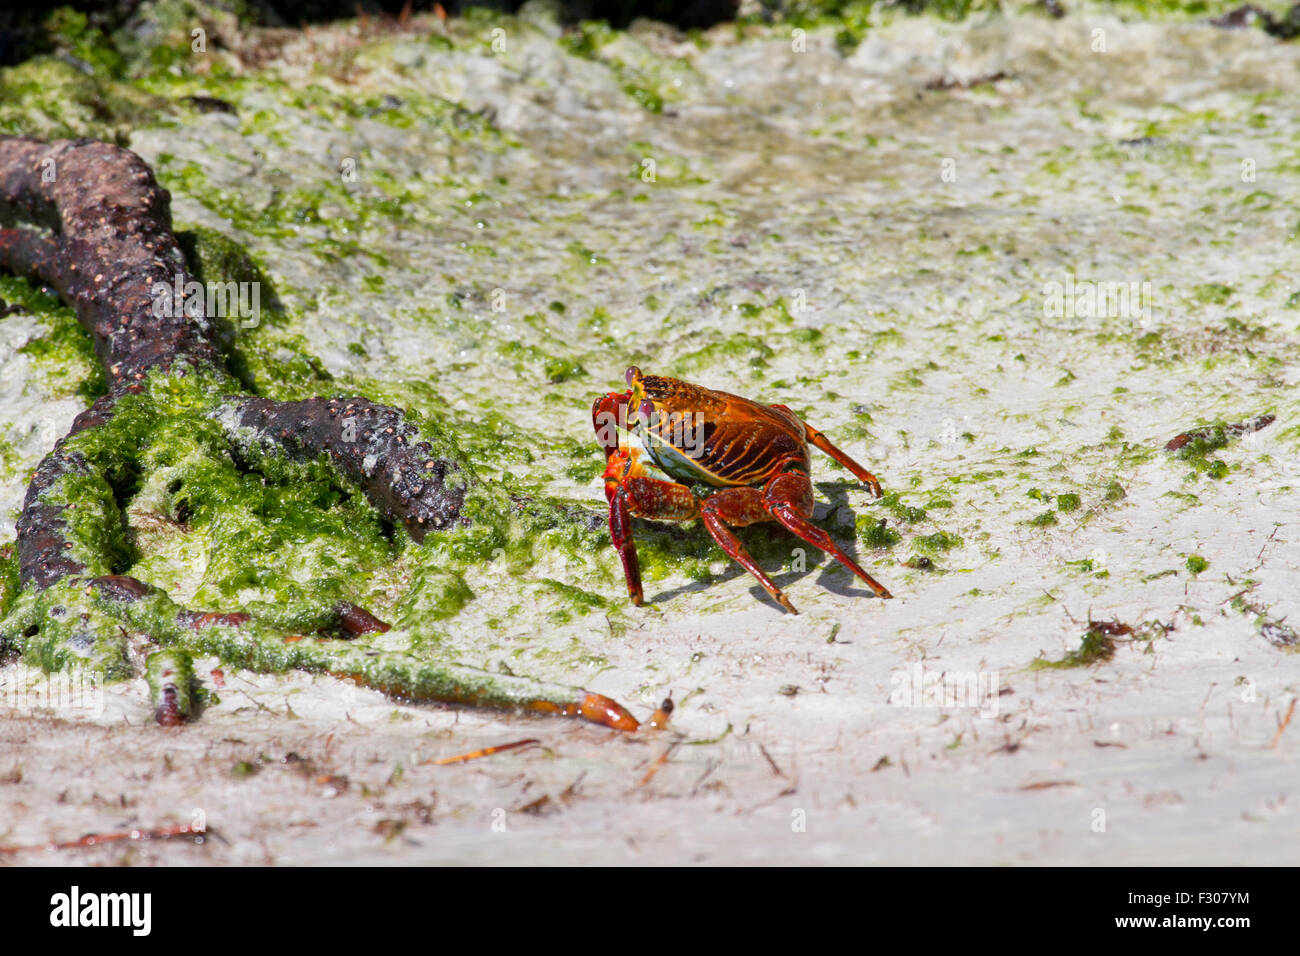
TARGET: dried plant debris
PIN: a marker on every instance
(1197, 447)
(1285, 27)
(949, 83)
(1274, 630)
(1100, 642)
(1214, 437)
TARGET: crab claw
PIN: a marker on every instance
(607, 414)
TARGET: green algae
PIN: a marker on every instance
(1212, 293)
(51, 99)
(66, 353)
(1101, 641)
(89, 630)
(559, 533)
(8, 578)
(1088, 566)
(262, 351)
(937, 543)
(1097, 647)
(894, 504)
(650, 81)
(1273, 629)
(1196, 448)
(875, 532)
(282, 540)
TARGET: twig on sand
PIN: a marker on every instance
(659, 762)
(197, 834)
(1290, 712)
(770, 762)
(483, 752)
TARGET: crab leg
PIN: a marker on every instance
(631, 494)
(789, 498)
(620, 532)
(739, 507)
(818, 440)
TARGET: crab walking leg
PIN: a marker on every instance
(789, 498)
(620, 532)
(740, 507)
(820, 441)
(644, 498)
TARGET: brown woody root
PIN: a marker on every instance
(89, 219)
(372, 445)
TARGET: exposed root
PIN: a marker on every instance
(89, 219)
(371, 445)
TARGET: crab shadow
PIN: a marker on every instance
(769, 541)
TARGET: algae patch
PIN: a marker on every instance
(1100, 642)
(1197, 447)
(1098, 645)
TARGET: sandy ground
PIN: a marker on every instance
(812, 739)
(1128, 769)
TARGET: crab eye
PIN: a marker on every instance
(632, 375)
(646, 410)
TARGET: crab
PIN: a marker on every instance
(663, 436)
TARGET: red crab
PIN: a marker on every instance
(663, 435)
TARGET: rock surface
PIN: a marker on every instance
(1004, 296)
